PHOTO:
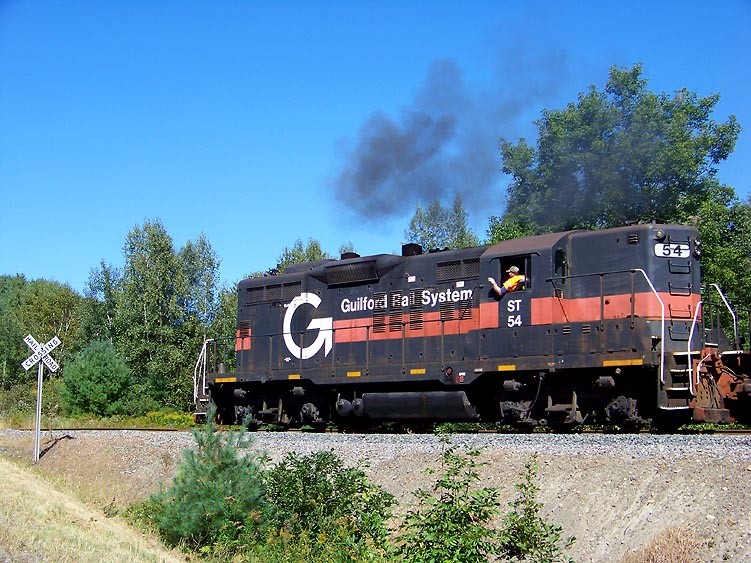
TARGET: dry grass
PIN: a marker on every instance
(674, 545)
(39, 523)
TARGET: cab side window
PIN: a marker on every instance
(513, 267)
(561, 266)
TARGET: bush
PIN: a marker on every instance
(452, 524)
(525, 535)
(326, 511)
(97, 381)
(18, 404)
(139, 400)
(332, 547)
(224, 503)
(217, 495)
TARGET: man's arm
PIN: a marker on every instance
(500, 290)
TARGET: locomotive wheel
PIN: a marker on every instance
(225, 415)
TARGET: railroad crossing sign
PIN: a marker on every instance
(40, 356)
(41, 352)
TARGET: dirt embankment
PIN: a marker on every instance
(614, 494)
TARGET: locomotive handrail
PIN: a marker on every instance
(732, 314)
(699, 307)
(200, 368)
(662, 323)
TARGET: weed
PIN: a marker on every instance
(452, 522)
(525, 536)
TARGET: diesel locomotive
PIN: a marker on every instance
(607, 326)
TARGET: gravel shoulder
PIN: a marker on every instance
(615, 494)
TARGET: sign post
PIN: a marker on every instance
(40, 356)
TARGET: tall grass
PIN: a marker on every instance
(39, 523)
(674, 545)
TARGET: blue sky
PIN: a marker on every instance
(242, 120)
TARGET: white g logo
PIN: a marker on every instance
(324, 326)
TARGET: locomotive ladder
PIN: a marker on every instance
(685, 377)
(680, 389)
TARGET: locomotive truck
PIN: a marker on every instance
(610, 327)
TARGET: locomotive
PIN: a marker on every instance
(608, 327)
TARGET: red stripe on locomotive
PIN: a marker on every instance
(544, 311)
(551, 310)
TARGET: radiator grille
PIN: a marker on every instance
(458, 269)
(359, 272)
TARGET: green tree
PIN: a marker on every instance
(13, 351)
(200, 264)
(429, 227)
(217, 495)
(224, 325)
(96, 381)
(460, 234)
(164, 304)
(49, 308)
(43, 309)
(438, 227)
(618, 155)
(148, 313)
(100, 303)
(725, 228)
(299, 253)
(507, 228)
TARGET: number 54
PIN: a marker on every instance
(514, 320)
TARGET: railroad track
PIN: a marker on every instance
(333, 430)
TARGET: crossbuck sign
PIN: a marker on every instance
(41, 356)
(41, 352)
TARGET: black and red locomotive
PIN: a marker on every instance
(609, 327)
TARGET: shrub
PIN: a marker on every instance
(333, 547)
(96, 381)
(139, 400)
(525, 535)
(452, 524)
(217, 494)
(325, 510)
